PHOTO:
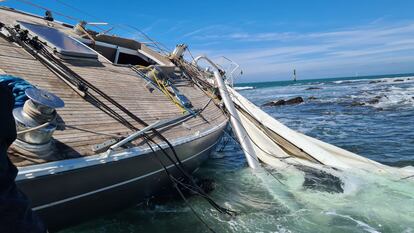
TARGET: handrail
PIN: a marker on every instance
(157, 124)
(195, 62)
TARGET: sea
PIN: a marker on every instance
(372, 116)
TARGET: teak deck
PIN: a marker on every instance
(120, 83)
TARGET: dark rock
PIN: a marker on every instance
(296, 100)
(312, 98)
(399, 80)
(279, 102)
(373, 101)
(356, 103)
(275, 103)
(375, 81)
(313, 88)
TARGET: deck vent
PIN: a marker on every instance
(36, 123)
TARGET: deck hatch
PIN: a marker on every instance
(64, 44)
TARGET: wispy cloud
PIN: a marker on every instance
(389, 48)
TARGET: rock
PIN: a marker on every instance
(375, 81)
(373, 101)
(296, 100)
(356, 103)
(312, 98)
(399, 80)
(275, 103)
(313, 88)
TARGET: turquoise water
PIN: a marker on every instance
(371, 116)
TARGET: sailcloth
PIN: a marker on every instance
(278, 145)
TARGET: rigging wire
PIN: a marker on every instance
(30, 3)
(32, 45)
(123, 27)
(259, 147)
(174, 183)
(86, 13)
(280, 158)
(300, 163)
(47, 9)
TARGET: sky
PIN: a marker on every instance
(268, 39)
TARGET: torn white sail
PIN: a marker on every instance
(278, 145)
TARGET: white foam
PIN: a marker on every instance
(362, 224)
(379, 80)
(243, 88)
(395, 97)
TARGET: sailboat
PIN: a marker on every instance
(103, 122)
(106, 122)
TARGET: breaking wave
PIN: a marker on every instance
(244, 88)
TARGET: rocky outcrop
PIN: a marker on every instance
(296, 100)
(374, 100)
(275, 103)
(313, 88)
(356, 103)
(376, 81)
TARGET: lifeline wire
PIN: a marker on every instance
(77, 80)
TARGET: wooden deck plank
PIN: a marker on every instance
(121, 83)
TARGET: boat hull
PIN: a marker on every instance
(74, 196)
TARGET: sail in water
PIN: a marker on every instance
(279, 146)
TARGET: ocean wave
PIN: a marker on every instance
(243, 88)
(395, 97)
(378, 80)
(345, 81)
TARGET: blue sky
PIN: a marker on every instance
(267, 38)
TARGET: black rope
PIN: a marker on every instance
(198, 189)
(34, 46)
(173, 181)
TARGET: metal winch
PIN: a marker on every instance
(36, 122)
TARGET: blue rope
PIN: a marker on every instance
(17, 86)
